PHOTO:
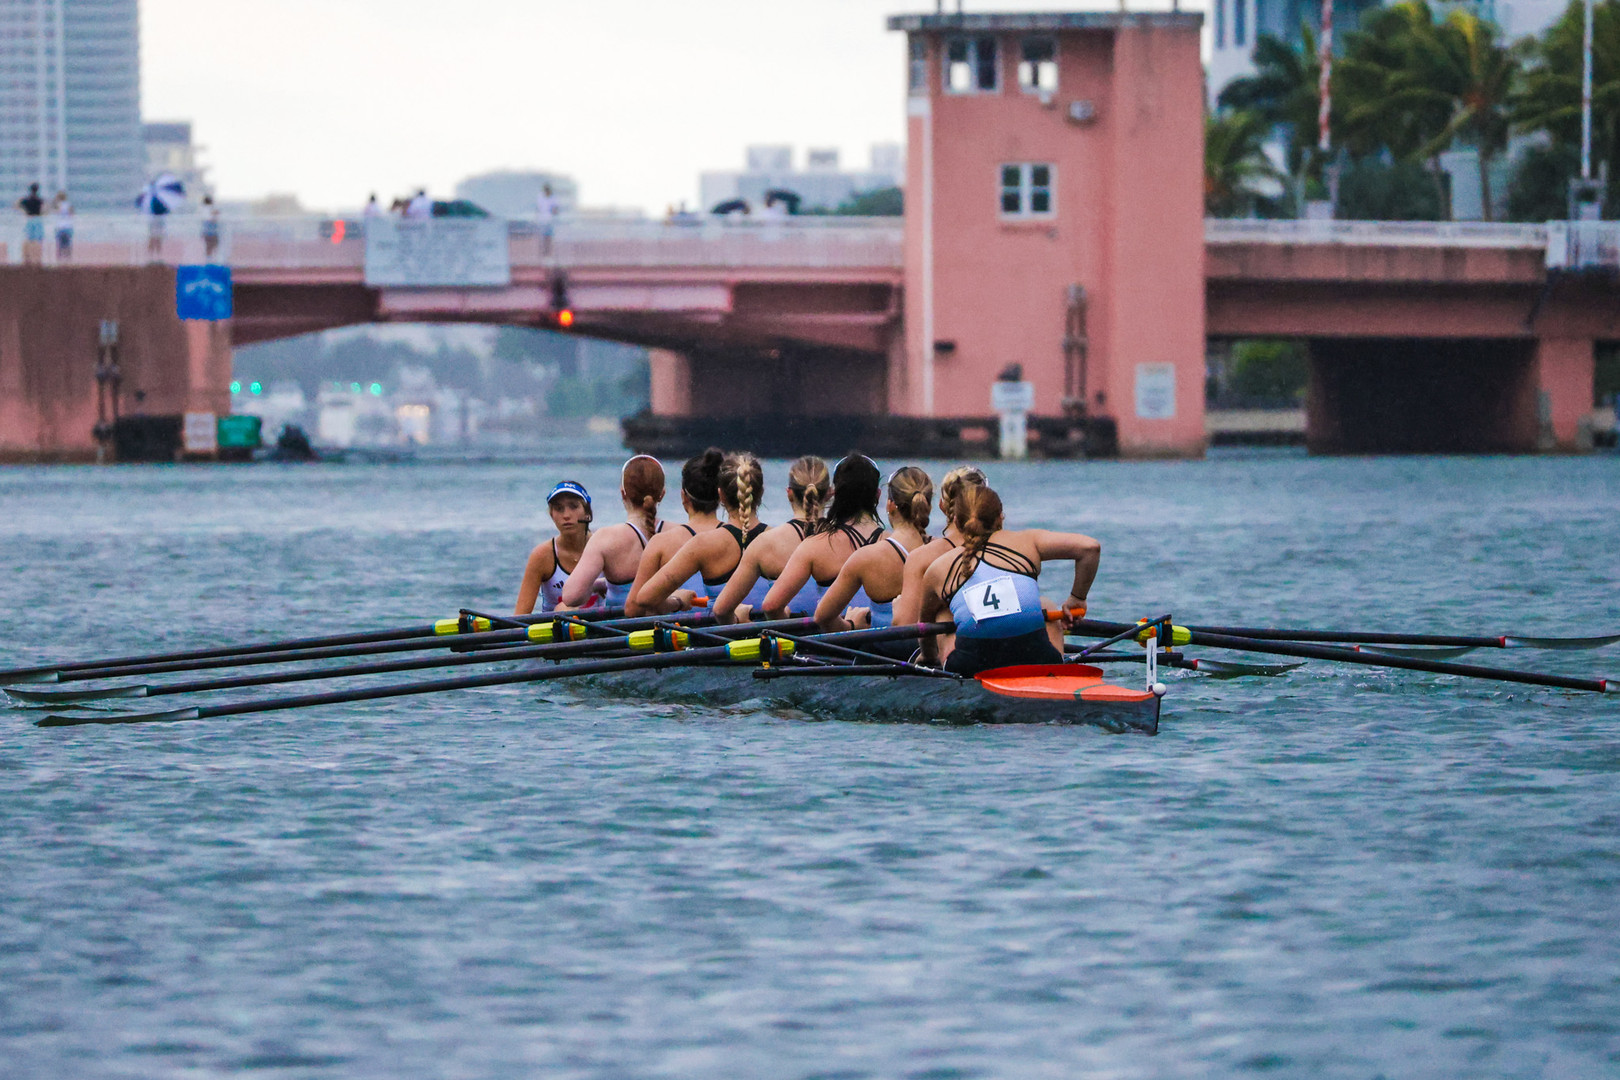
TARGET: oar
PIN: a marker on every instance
(441, 628)
(1379, 638)
(1437, 667)
(1219, 669)
(747, 650)
(641, 641)
(538, 633)
(820, 643)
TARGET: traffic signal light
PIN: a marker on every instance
(562, 312)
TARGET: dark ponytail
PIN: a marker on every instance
(856, 484)
(700, 480)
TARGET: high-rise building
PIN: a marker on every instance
(169, 149)
(70, 100)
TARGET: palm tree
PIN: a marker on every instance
(1459, 67)
(1235, 163)
(1550, 98)
(1375, 122)
(1285, 92)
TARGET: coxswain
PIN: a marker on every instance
(808, 486)
(700, 497)
(551, 562)
(992, 590)
(716, 554)
(878, 571)
(851, 523)
(614, 552)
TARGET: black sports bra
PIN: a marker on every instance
(743, 540)
(858, 540)
(1008, 559)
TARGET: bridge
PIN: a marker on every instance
(806, 314)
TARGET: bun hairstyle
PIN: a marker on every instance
(978, 514)
(956, 483)
(809, 482)
(700, 480)
(742, 482)
(643, 484)
(856, 483)
(912, 493)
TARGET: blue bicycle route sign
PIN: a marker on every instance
(203, 293)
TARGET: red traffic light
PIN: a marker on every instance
(565, 318)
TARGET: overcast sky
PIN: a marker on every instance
(333, 99)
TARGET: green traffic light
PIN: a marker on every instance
(236, 387)
(376, 389)
(255, 388)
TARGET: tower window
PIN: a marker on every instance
(971, 66)
(917, 69)
(1220, 23)
(1240, 21)
(1037, 65)
(1026, 190)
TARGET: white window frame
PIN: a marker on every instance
(974, 63)
(1029, 71)
(1027, 190)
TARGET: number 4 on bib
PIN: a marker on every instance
(995, 599)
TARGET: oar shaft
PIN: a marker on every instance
(376, 693)
(1437, 667)
(468, 642)
(1349, 637)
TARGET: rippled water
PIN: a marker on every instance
(1341, 873)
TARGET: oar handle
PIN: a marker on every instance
(1059, 614)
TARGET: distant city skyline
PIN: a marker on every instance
(333, 99)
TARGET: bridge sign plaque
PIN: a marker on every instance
(202, 293)
(437, 253)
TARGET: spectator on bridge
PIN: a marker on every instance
(546, 216)
(420, 208)
(210, 227)
(63, 209)
(373, 207)
(33, 206)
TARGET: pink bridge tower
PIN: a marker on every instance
(1054, 220)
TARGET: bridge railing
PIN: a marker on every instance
(325, 243)
(1491, 234)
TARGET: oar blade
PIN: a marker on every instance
(1225, 669)
(81, 719)
(1568, 643)
(35, 677)
(1417, 654)
(35, 698)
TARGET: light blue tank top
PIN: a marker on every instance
(995, 602)
(617, 594)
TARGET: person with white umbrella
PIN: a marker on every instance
(160, 198)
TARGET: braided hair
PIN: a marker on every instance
(700, 480)
(912, 493)
(956, 483)
(643, 484)
(742, 481)
(978, 515)
(808, 481)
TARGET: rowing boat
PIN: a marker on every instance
(1065, 694)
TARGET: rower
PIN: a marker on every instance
(992, 590)
(700, 497)
(716, 554)
(851, 523)
(550, 563)
(762, 563)
(614, 552)
(879, 571)
(957, 482)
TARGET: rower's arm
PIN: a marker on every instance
(908, 605)
(794, 575)
(742, 580)
(651, 559)
(536, 570)
(655, 592)
(930, 605)
(1085, 551)
(582, 582)
(830, 611)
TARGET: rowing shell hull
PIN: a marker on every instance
(884, 699)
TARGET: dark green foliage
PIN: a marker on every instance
(1371, 190)
(882, 202)
(1540, 187)
(1267, 371)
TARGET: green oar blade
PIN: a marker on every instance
(1570, 643)
(37, 698)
